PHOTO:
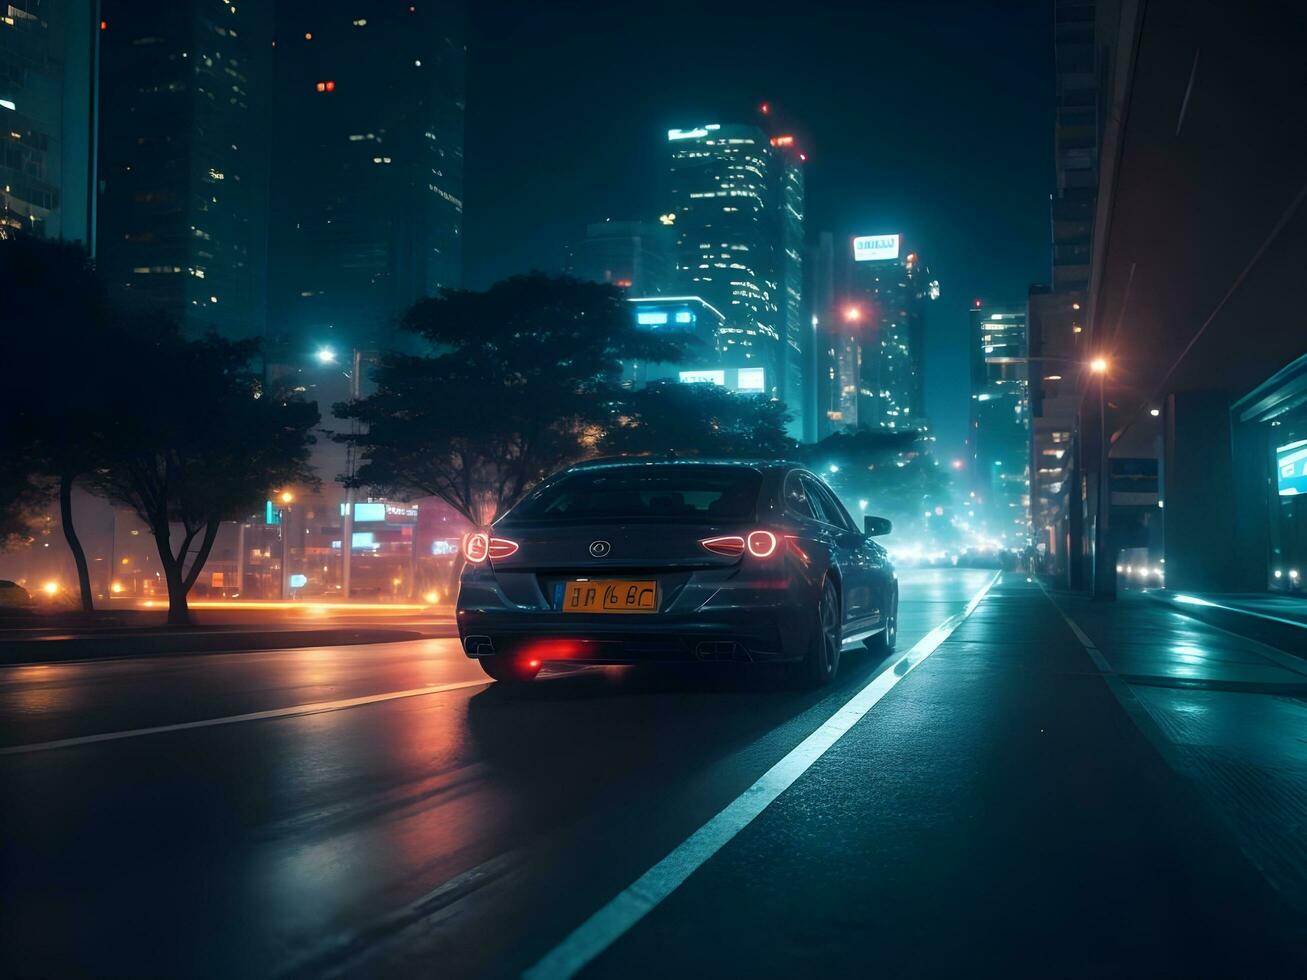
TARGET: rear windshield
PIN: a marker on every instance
(706, 494)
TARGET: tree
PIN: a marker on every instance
(54, 400)
(520, 381)
(204, 443)
(894, 471)
(698, 420)
(21, 494)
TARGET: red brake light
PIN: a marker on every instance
(762, 544)
(476, 547)
(501, 547)
(730, 545)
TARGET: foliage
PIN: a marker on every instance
(894, 471)
(520, 382)
(698, 420)
(54, 399)
(203, 444)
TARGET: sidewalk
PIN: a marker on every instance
(1229, 712)
(1277, 620)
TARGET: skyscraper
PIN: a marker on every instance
(47, 78)
(888, 294)
(368, 170)
(1058, 311)
(634, 255)
(1000, 421)
(737, 202)
(183, 170)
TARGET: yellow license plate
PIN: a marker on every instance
(610, 596)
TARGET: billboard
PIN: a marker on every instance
(1291, 468)
(875, 248)
(703, 377)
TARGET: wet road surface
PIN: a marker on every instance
(994, 811)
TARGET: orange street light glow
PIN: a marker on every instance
(1098, 365)
(852, 314)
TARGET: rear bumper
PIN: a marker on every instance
(766, 634)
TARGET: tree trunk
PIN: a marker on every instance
(179, 614)
(201, 556)
(74, 543)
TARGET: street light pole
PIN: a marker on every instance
(1102, 508)
(347, 526)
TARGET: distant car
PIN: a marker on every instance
(13, 595)
(636, 561)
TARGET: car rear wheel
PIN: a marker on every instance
(510, 670)
(887, 639)
(823, 659)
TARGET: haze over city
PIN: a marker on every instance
(543, 490)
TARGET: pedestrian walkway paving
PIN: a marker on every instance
(1233, 714)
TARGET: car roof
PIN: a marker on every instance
(620, 462)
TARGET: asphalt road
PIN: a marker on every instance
(990, 810)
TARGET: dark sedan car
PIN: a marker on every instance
(636, 561)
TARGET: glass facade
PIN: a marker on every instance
(46, 53)
(368, 173)
(890, 297)
(1000, 423)
(183, 170)
(737, 199)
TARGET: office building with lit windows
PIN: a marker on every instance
(183, 159)
(889, 290)
(737, 206)
(47, 84)
(1000, 422)
(368, 169)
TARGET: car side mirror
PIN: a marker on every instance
(874, 527)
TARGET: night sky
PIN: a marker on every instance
(929, 119)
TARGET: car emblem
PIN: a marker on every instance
(600, 549)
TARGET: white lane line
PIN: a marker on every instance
(316, 707)
(1123, 692)
(608, 925)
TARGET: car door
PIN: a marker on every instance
(879, 570)
(859, 599)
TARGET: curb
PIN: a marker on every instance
(1281, 634)
(123, 646)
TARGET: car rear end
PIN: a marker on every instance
(629, 563)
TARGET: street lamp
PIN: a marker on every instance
(326, 355)
(285, 498)
(852, 314)
(1102, 510)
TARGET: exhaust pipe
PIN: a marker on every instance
(478, 646)
(722, 650)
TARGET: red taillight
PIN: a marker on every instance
(730, 545)
(760, 544)
(476, 547)
(479, 546)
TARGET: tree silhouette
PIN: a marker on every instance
(520, 382)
